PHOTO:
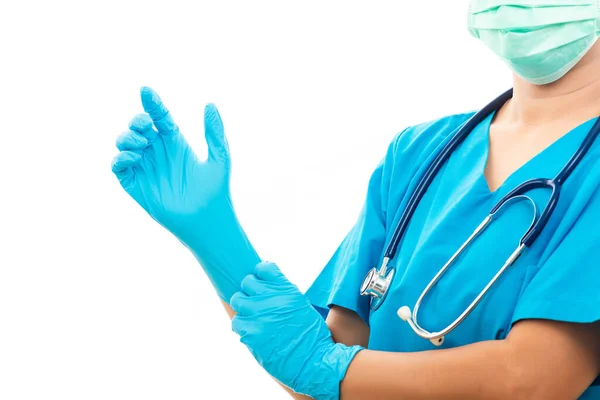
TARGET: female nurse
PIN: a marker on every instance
(534, 335)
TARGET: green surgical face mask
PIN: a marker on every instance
(541, 40)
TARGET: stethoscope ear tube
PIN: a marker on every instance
(437, 164)
(377, 281)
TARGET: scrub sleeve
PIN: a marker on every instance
(566, 285)
(362, 249)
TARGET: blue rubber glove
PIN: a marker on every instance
(287, 336)
(188, 196)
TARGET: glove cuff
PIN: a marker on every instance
(329, 370)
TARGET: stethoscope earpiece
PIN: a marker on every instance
(404, 313)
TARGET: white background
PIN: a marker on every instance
(99, 302)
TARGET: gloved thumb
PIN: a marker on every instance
(269, 272)
(218, 148)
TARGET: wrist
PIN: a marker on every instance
(327, 371)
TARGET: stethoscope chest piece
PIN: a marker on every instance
(376, 285)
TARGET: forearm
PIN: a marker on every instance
(296, 396)
(478, 371)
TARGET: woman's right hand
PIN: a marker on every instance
(188, 196)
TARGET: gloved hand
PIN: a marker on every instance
(287, 336)
(188, 196)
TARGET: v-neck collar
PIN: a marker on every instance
(558, 143)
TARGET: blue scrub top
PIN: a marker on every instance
(556, 279)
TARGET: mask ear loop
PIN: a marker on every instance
(470, 21)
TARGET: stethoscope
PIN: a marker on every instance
(377, 281)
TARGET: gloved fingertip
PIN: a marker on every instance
(212, 116)
(234, 300)
(246, 280)
(131, 140)
(116, 167)
(124, 160)
(146, 91)
(210, 108)
(264, 264)
(152, 103)
(141, 122)
(148, 96)
(236, 325)
(268, 271)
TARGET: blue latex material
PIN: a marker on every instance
(188, 196)
(287, 336)
(556, 279)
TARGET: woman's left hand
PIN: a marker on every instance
(287, 336)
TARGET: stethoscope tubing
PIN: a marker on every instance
(436, 165)
(379, 287)
(555, 184)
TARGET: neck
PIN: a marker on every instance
(576, 96)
